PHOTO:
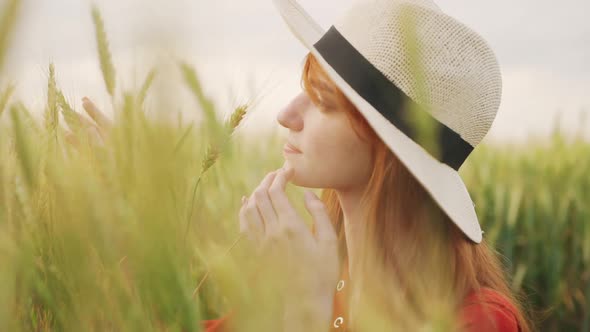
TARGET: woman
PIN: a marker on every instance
(399, 209)
(325, 124)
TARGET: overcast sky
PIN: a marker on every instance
(243, 47)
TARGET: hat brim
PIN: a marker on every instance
(442, 182)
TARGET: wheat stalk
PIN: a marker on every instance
(28, 119)
(106, 63)
(192, 81)
(51, 118)
(209, 270)
(213, 152)
(22, 144)
(236, 117)
(220, 137)
(70, 116)
(146, 86)
(211, 156)
(5, 97)
(182, 139)
(8, 15)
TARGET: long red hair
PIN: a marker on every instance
(408, 238)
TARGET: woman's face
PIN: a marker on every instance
(330, 155)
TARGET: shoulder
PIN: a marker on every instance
(488, 310)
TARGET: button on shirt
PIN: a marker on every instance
(341, 300)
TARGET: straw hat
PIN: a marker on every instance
(453, 79)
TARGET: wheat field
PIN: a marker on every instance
(118, 236)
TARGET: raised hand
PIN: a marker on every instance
(96, 128)
(308, 263)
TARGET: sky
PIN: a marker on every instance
(243, 50)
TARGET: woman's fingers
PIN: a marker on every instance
(290, 225)
(93, 130)
(254, 222)
(90, 135)
(103, 122)
(263, 202)
(95, 137)
(84, 121)
(245, 228)
(257, 212)
(278, 197)
(71, 138)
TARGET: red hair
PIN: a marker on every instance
(408, 237)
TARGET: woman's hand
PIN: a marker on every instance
(96, 129)
(308, 264)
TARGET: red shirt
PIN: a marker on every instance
(491, 312)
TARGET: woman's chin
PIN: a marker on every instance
(298, 178)
(300, 181)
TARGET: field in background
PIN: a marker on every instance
(118, 236)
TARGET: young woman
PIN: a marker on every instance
(335, 148)
(405, 228)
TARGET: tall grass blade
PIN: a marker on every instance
(146, 86)
(5, 97)
(8, 18)
(104, 54)
(23, 145)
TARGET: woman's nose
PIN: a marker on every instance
(290, 116)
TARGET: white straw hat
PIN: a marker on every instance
(365, 53)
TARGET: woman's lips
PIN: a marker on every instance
(288, 148)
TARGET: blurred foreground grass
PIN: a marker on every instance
(117, 237)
